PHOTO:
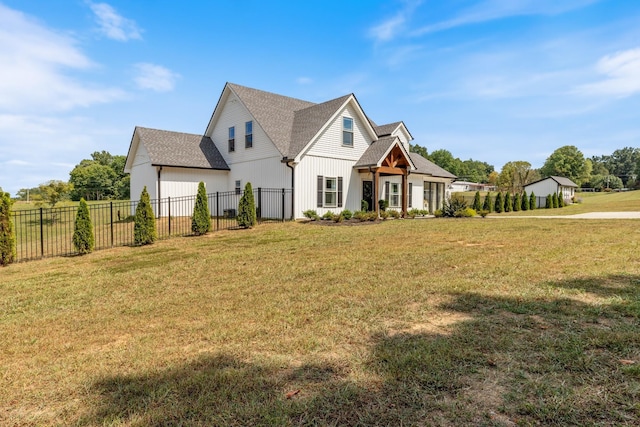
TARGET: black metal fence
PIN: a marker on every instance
(541, 201)
(47, 232)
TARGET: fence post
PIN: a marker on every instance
(217, 210)
(111, 213)
(169, 212)
(283, 205)
(259, 203)
(41, 235)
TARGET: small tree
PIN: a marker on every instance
(247, 209)
(499, 205)
(201, 221)
(487, 206)
(7, 236)
(561, 203)
(516, 202)
(83, 239)
(554, 200)
(525, 201)
(508, 204)
(144, 229)
(533, 202)
(477, 204)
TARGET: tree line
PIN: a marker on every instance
(607, 172)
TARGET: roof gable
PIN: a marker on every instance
(560, 180)
(391, 129)
(427, 167)
(380, 149)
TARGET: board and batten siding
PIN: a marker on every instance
(142, 173)
(265, 173)
(234, 114)
(543, 188)
(329, 142)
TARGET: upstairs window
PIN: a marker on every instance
(232, 139)
(347, 131)
(248, 134)
(238, 186)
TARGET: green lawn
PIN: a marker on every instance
(404, 322)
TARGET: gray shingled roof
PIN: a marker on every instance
(427, 167)
(385, 130)
(565, 182)
(374, 153)
(274, 113)
(178, 149)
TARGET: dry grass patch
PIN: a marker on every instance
(396, 323)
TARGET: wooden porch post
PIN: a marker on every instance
(404, 193)
(376, 182)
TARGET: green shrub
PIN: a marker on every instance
(360, 215)
(311, 214)
(394, 214)
(477, 204)
(525, 201)
(554, 200)
(499, 204)
(372, 216)
(201, 220)
(561, 202)
(144, 228)
(347, 214)
(487, 205)
(508, 204)
(483, 213)
(533, 202)
(454, 204)
(383, 204)
(516, 202)
(412, 213)
(328, 215)
(465, 213)
(423, 212)
(549, 202)
(384, 214)
(247, 217)
(364, 205)
(83, 239)
(338, 217)
(7, 232)
(438, 213)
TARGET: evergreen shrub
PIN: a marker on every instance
(247, 208)
(7, 232)
(144, 227)
(201, 220)
(83, 239)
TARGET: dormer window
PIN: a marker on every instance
(248, 134)
(347, 131)
(232, 139)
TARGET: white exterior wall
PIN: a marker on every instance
(142, 173)
(543, 188)
(259, 164)
(403, 136)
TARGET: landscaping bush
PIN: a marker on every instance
(347, 214)
(247, 217)
(311, 214)
(364, 206)
(438, 213)
(328, 215)
(201, 220)
(561, 202)
(384, 214)
(499, 204)
(7, 232)
(487, 205)
(533, 202)
(465, 213)
(144, 227)
(516, 202)
(549, 202)
(525, 201)
(83, 240)
(394, 213)
(360, 215)
(554, 200)
(412, 213)
(383, 204)
(338, 217)
(508, 204)
(483, 213)
(477, 204)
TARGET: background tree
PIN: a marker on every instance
(144, 228)
(101, 177)
(515, 175)
(7, 233)
(83, 239)
(55, 191)
(419, 149)
(567, 162)
(525, 201)
(201, 220)
(604, 182)
(445, 160)
(247, 208)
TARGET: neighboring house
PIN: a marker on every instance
(458, 186)
(563, 187)
(331, 155)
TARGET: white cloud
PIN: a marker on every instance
(114, 25)
(489, 10)
(304, 80)
(622, 71)
(155, 77)
(388, 29)
(35, 59)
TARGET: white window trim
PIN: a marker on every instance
(246, 135)
(347, 130)
(325, 191)
(393, 194)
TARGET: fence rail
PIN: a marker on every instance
(46, 232)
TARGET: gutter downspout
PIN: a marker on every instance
(290, 164)
(159, 186)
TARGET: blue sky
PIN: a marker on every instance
(491, 80)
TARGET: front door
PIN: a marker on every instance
(367, 194)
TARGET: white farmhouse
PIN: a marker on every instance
(330, 156)
(563, 187)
